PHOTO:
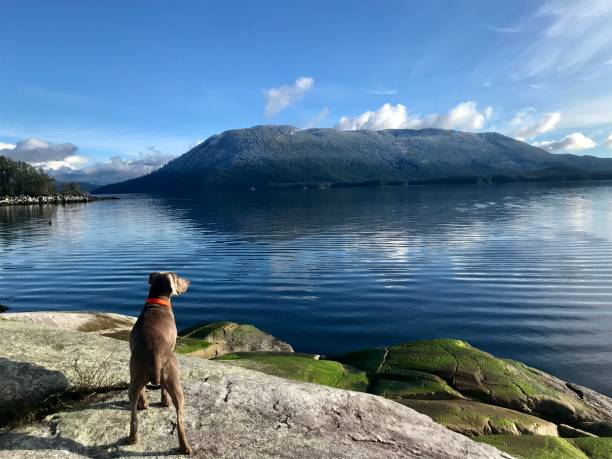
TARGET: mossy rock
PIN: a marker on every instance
(414, 385)
(594, 448)
(219, 338)
(479, 375)
(300, 367)
(206, 330)
(475, 418)
(191, 346)
(534, 446)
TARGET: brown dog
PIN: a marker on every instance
(152, 342)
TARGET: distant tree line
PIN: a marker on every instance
(20, 178)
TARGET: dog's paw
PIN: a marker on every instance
(143, 406)
(186, 450)
(132, 440)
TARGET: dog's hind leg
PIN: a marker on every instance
(173, 386)
(134, 391)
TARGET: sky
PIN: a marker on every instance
(105, 90)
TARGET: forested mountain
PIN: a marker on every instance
(284, 156)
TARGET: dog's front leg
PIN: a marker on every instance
(142, 400)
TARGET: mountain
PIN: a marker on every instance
(284, 156)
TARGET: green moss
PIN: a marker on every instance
(300, 368)
(533, 446)
(201, 331)
(475, 374)
(475, 418)
(414, 385)
(190, 345)
(595, 448)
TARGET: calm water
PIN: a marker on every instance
(522, 271)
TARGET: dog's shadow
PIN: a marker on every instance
(13, 441)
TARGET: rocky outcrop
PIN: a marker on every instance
(480, 376)
(230, 411)
(543, 447)
(218, 338)
(103, 323)
(50, 199)
(474, 418)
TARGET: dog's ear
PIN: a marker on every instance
(173, 280)
(152, 276)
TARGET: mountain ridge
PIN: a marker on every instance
(281, 156)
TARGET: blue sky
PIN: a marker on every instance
(82, 82)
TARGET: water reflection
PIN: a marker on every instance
(521, 270)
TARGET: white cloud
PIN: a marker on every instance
(574, 35)
(526, 124)
(6, 146)
(38, 151)
(69, 162)
(608, 142)
(465, 116)
(284, 96)
(314, 122)
(572, 142)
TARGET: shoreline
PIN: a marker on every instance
(51, 199)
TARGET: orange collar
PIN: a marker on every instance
(159, 301)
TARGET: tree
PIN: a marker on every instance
(20, 178)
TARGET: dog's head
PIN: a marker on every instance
(166, 283)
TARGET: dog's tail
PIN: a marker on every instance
(156, 366)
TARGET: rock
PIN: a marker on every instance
(220, 338)
(479, 375)
(300, 367)
(534, 446)
(566, 431)
(38, 362)
(230, 411)
(3, 308)
(475, 418)
(50, 199)
(542, 447)
(414, 385)
(103, 323)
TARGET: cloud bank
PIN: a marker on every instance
(278, 99)
(61, 162)
(572, 142)
(116, 169)
(43, 154)
(465, 116)
(608, 142)
(526, 125)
